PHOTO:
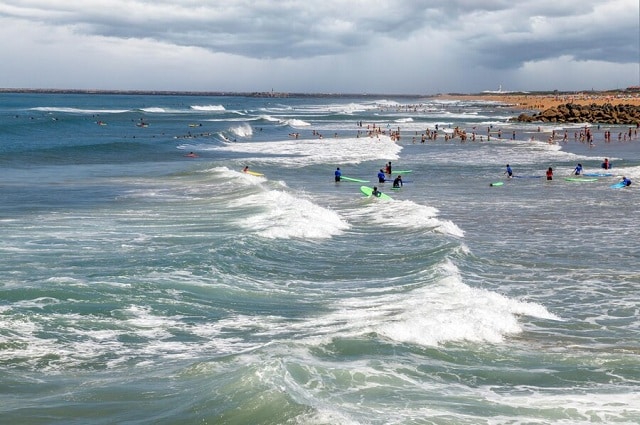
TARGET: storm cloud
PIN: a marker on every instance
(354, 46)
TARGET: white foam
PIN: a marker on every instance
(297, 123)
(300, 152)
(243, 130)
(284, 216)
(406, 214)
(579, 407)
(208, 108)
(453, 311)
(444, 311)
(79, 111)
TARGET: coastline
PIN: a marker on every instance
(523, 100)
(543, 101)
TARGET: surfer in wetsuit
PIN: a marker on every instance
(606, 164)
(397, 182)
(338, 174)
(578, 169)
(381, 176)
(376, 192)
(626, 181)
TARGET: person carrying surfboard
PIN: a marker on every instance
(338, 174)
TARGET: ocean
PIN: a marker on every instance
(140, 284)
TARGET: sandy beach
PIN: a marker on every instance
(546, 101)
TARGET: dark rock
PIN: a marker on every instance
(594, 113)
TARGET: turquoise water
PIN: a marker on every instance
(142, 286)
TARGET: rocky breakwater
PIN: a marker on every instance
(594, 113)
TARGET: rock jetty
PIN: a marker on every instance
(606, 113)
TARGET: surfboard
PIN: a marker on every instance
(598, 174)
(369, 191)
(253, 173)
(618, 185)
(581, 179)
(351, 179)
(496, 184)
(401, 171)
(527, 177)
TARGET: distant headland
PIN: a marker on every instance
(539, 100)
(266, 94)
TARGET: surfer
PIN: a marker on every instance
(509, 171)
(606, 164)
(338, 174)
(549, 173)
(381, 176)
(191, 155)
(626, 181)
(388, 168)
(245, 169)
(578, 169)
(376, 192)
(397, 182)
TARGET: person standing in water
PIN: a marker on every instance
(578, 170)
(397, 182)
(509, 171)
(550, 173)
(381, 176)
(338, 174)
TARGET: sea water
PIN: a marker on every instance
(140, 285)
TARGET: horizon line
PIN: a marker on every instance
(294, 94)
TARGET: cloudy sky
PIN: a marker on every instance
(320, 46)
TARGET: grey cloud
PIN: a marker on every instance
(417, 42)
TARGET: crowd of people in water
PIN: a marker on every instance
(585, 134)
(577, 171)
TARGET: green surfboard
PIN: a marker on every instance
(369, 191)
(351, 179)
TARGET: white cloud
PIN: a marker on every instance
(401, 46)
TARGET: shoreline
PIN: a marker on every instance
(542, 102)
